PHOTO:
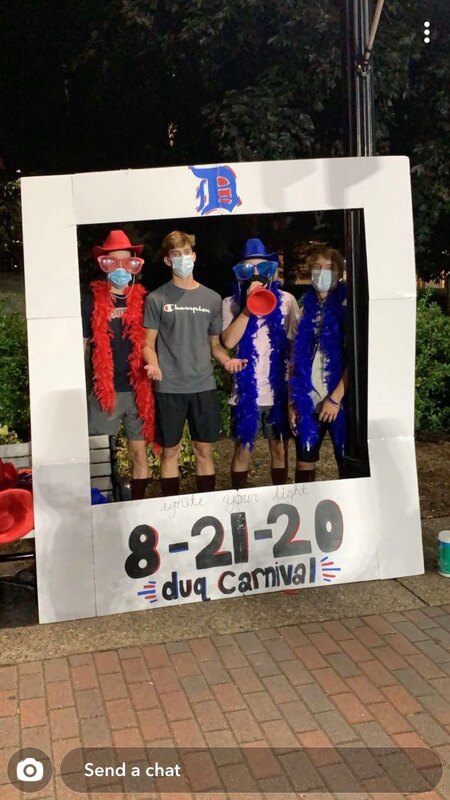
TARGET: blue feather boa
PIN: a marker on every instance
(246, 414)
(328, 336)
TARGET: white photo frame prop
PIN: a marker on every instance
(107, 559)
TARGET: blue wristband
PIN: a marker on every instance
(335, 403)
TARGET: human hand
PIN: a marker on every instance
(328, 411)
(235, 364)
(153, 372)
(254, 285)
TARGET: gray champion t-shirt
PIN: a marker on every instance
(184, 319)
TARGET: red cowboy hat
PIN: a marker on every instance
(8, 475)
(16, 514)
(116, 240)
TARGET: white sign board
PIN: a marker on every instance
(144, 554)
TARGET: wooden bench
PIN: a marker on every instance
(103, 461)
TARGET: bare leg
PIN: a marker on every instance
(305, 472)
(138, 455)
(204, 466)
(169, 461)
(139, 480)
(278, 461)
(239, 466)
(170, 477)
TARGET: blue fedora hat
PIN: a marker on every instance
(254, 248)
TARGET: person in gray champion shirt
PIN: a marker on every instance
(183, 321)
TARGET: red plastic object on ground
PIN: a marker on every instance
(261, 302)
(8, 475)
(16, 514)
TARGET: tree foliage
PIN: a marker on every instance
(432, 367)
(14, 391)
(11, 256)
(110, 84)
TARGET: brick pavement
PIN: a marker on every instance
(376, 680)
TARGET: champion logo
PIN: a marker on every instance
(174, 307)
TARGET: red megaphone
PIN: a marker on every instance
(16, 514)
(261, 302)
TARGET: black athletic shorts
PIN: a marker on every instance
(312, 455)
(201, 410)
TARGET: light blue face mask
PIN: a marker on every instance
(323, 279)
(119, 277)
(182, 265)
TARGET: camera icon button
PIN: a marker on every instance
(30, 769)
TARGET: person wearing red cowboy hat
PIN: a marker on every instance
(261, 335)
(112, 317)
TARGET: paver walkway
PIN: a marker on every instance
(376, 680)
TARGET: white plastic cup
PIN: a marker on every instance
(444, 554)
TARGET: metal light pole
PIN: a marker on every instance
(357, 37)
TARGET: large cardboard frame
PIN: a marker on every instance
(83, 551)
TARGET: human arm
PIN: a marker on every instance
(152, 319)
(220, 354)
(331, 405)
(292, 319)
(233, 334)
(235, 329)
(292, 412)
(86, 319)
(150, 355)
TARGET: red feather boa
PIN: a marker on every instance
(102, 358)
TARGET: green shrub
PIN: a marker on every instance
(435, 295)
(186, 461)
(7, 436)
(223, 383)
(14, 392)
(432, 367)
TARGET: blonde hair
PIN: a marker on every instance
(176, 240)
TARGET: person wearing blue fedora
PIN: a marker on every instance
(259, 394)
